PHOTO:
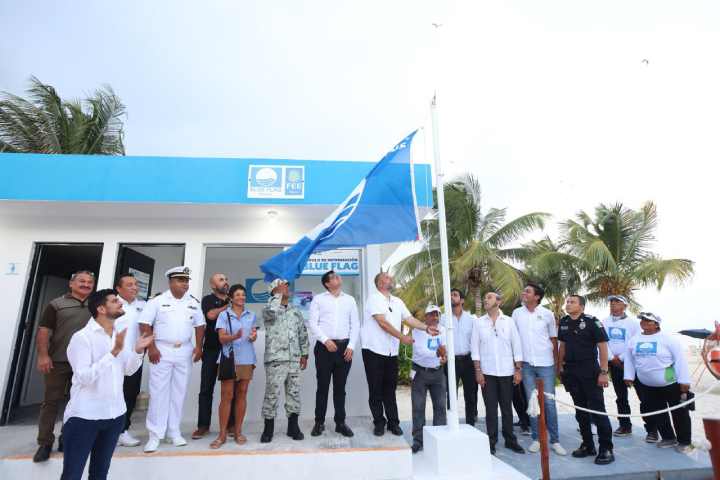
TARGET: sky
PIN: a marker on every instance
(556, 105)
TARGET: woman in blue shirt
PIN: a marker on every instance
(236, 329)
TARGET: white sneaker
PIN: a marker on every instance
(534, 446)
(558, 449)
(179, 441)
(152, 444)
(127, 440)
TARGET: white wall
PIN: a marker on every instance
(63, 223)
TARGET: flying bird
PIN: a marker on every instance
(437, 25)
(646, 61)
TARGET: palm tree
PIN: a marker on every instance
(559, 272)
(479, 245)
(614, 249)
(44, 123)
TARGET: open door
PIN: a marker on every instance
(141, 266)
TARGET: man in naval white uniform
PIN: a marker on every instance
(172, 317)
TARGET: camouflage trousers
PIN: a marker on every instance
(278, 374)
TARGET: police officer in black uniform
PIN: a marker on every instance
(581, 336)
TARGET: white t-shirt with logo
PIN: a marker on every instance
(657, 360)
(620, 330)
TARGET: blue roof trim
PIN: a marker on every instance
(100, 178)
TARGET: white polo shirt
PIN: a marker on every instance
(620, 330)
(173, 319)
(536, 328)
(334, 318)
(129, 321)
(375, 338)
(497, 347)
(98, 376)
(462, 331)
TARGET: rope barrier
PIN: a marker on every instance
(534, 405)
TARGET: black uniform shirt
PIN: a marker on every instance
(211, 341)
(581, 337)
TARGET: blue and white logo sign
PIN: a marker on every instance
(616, 333)
(256, 290)
(646, 349)
(276, 181)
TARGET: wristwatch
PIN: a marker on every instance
(603, 372)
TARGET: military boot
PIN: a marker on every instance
(267, 434)
(293, 430)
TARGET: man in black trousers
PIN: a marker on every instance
(335, 325)
(464, 368)
(212, 305)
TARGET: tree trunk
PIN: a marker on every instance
(477, 293)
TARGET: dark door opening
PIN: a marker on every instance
(148, 263)
(51, 268)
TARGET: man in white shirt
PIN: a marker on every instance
(381, 334)
(95, 414)
(464, 369)
(173, 317)
(538, 335)
(428, 357)
(127, 288)
(497, 356)
(335, 325)
(620, 330)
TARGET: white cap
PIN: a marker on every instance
(432, 308)
(619, 298)
(650, 316)
(276, 283)
(177, 272)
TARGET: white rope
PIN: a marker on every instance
(426, 237)
(534, 405)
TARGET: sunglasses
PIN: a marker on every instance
(82, 272)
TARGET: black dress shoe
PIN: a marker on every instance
(416, 447)
(42, 454)
(379, 430)
(60, 443)
(344, 430)
(492, 449)
(604, 457)
(584, 451)
(318, 429)
(515, 447)
(395, 430)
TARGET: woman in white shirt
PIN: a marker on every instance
(655, 363)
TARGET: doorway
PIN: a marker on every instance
(148, 263)
(50, 271)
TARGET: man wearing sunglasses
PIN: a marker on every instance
(60, 320)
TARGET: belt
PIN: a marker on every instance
(340, 340)
(462, 355)
(172, 344)
(417, 367)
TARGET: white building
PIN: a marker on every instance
(63, 213)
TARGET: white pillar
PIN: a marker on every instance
(108, 261)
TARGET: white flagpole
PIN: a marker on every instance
(452, 416)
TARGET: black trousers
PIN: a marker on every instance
(621, 392)
(465, 374)
(498, 391)
(131, 389)
(658, 398)
(382, 377)
(581, 384)
(520, 403)
(331, 366)
(208, 379)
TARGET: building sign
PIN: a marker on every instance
(276, 181)
(143, 282)
(343, 262)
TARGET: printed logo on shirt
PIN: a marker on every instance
(616, 333)
(646, 349)
(433, 343)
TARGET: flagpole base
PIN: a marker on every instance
(456, 451)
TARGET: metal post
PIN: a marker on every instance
(452, 417)
(542, 431)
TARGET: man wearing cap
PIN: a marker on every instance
(171, 317)
(381, 334)
(335, 324)
(286, 354)
(620, 329)
(582, 340)
(428, 357)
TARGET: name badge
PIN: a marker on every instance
(582, 325)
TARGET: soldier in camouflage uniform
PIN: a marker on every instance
(286, 353)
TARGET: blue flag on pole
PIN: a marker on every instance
(381, 209)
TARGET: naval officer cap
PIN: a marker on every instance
(276, 283)
(178, 272)
(619, 298)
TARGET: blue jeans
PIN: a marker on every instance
(94, 438)
(529, 374)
